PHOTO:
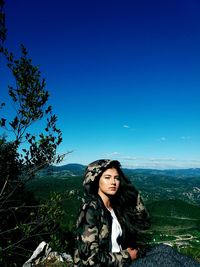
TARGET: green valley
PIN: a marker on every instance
(172, 198)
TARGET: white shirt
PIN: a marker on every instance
(116, 232)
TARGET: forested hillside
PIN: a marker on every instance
(172, 201)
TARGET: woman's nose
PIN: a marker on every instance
(113, 181)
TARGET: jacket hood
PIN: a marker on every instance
(94, 171)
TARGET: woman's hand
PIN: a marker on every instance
(133, 253)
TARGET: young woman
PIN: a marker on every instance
(110, 222)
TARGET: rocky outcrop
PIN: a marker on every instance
(44, 256)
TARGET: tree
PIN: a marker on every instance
(24, 221)
(30, 100)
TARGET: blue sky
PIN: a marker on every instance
(124, 76)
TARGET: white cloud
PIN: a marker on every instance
(159, 163)
(112, 154)
(162, 139)
(129, 158)
(126, 126)
(185, 137)
(162, 159)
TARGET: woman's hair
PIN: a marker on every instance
(124, 201)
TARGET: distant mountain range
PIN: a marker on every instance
(172, 197)
(76, 169)
(72, 169)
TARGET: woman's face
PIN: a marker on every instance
(109, 182)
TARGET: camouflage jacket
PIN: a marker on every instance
(93, 236)
(93, 240)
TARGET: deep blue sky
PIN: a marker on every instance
(124, 76)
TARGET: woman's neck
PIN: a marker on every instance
(106, 200)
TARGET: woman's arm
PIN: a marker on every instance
(92, 246)
(142, 216)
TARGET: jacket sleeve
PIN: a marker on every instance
(141, 214)
(90, 252)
